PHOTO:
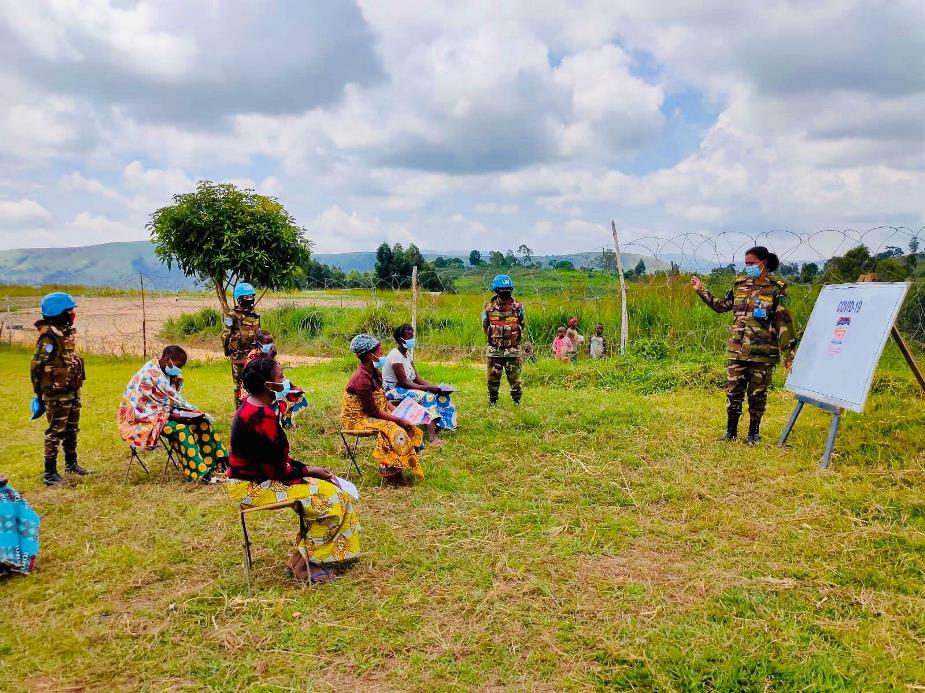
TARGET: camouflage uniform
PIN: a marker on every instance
(57, 374)
(761, 332)
(238, 335)
(503, 322)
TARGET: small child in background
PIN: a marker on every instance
(597, 347)
(575, 338)
(562, 346)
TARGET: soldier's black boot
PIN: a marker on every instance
(52, 478)
(754, 437)
(71, 467)
(492, 401)
(732, 428)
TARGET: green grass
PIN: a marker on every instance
(595, 538)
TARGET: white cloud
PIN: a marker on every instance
(471, 123)
(22, 210)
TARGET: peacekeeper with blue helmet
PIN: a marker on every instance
(240, 332)
(503, 321)
(57, 374)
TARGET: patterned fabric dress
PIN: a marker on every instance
(440, 407)
(19, 532)
(261, 472)
(144, 418)
(396, 450)
(285, 408)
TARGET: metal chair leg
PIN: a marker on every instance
(247, 555)
(351, 455)
(134, 457)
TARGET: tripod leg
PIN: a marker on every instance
(789, 427)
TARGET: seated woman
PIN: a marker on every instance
(401, 379)
(261, 472)
(288, 402)
(364, 407)
(152, 406)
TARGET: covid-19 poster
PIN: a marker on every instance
(843, 341)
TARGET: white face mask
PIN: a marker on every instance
(287, 388)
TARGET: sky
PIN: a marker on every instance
(465, 125)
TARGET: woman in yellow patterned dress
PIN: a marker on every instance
(364, 407)
(261, 472)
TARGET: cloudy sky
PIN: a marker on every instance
(459, 125)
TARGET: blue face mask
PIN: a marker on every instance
(753, 271)
(379, 362)
(409, 343)
(173, 371)
(266, 348)
(287, 387)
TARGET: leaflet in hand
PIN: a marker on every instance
(446, 387)
(347, 486)
(411, 411)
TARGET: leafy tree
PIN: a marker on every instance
(440, 262)
(394, 268)
(496, 259)
(510, 260)
(914, 245)
(475, 258)
(320, 276)
(891, 270)
(640, 269)
(723, 272)
(526, 255)
(789, 269)
(808, 272)
(608, 260)
(848, 267)
(223, 235)
(563, 265)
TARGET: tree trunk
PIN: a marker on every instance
(219, 284)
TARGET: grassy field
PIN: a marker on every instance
(595, 538)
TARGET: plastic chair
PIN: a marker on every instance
(351, 450)
(296, 505)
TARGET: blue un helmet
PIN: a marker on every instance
(243, 289)
(502, 281)
(56, 303)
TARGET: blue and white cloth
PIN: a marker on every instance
(440, 407)
(19, 532)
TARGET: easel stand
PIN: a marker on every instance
(836, 413)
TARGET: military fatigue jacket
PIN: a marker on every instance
(503, 322)
(762, 329)
(240, 329)
(57, 372)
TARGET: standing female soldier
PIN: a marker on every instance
(762, 331)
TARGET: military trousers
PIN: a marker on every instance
(237, 375)
(751, 378)
(63, 423)
(504, 365)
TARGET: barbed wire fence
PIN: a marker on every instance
(665, 316)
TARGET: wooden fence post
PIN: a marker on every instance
(414, 304)
(624, 318)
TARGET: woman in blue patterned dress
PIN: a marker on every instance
(401, 380)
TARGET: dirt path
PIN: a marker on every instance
(113, 325)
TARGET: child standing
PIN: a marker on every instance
(597, 347)
(562, 346)
(575, 338)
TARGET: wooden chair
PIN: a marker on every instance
(296, 505)
(135, 456)
(351, 450)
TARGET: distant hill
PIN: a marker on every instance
(119, 264)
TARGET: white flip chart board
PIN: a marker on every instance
(843, 341)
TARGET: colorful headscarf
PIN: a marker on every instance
(363, 344)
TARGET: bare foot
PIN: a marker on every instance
(436, 443)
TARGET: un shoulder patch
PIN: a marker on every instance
(49, 348)
(229, 322)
